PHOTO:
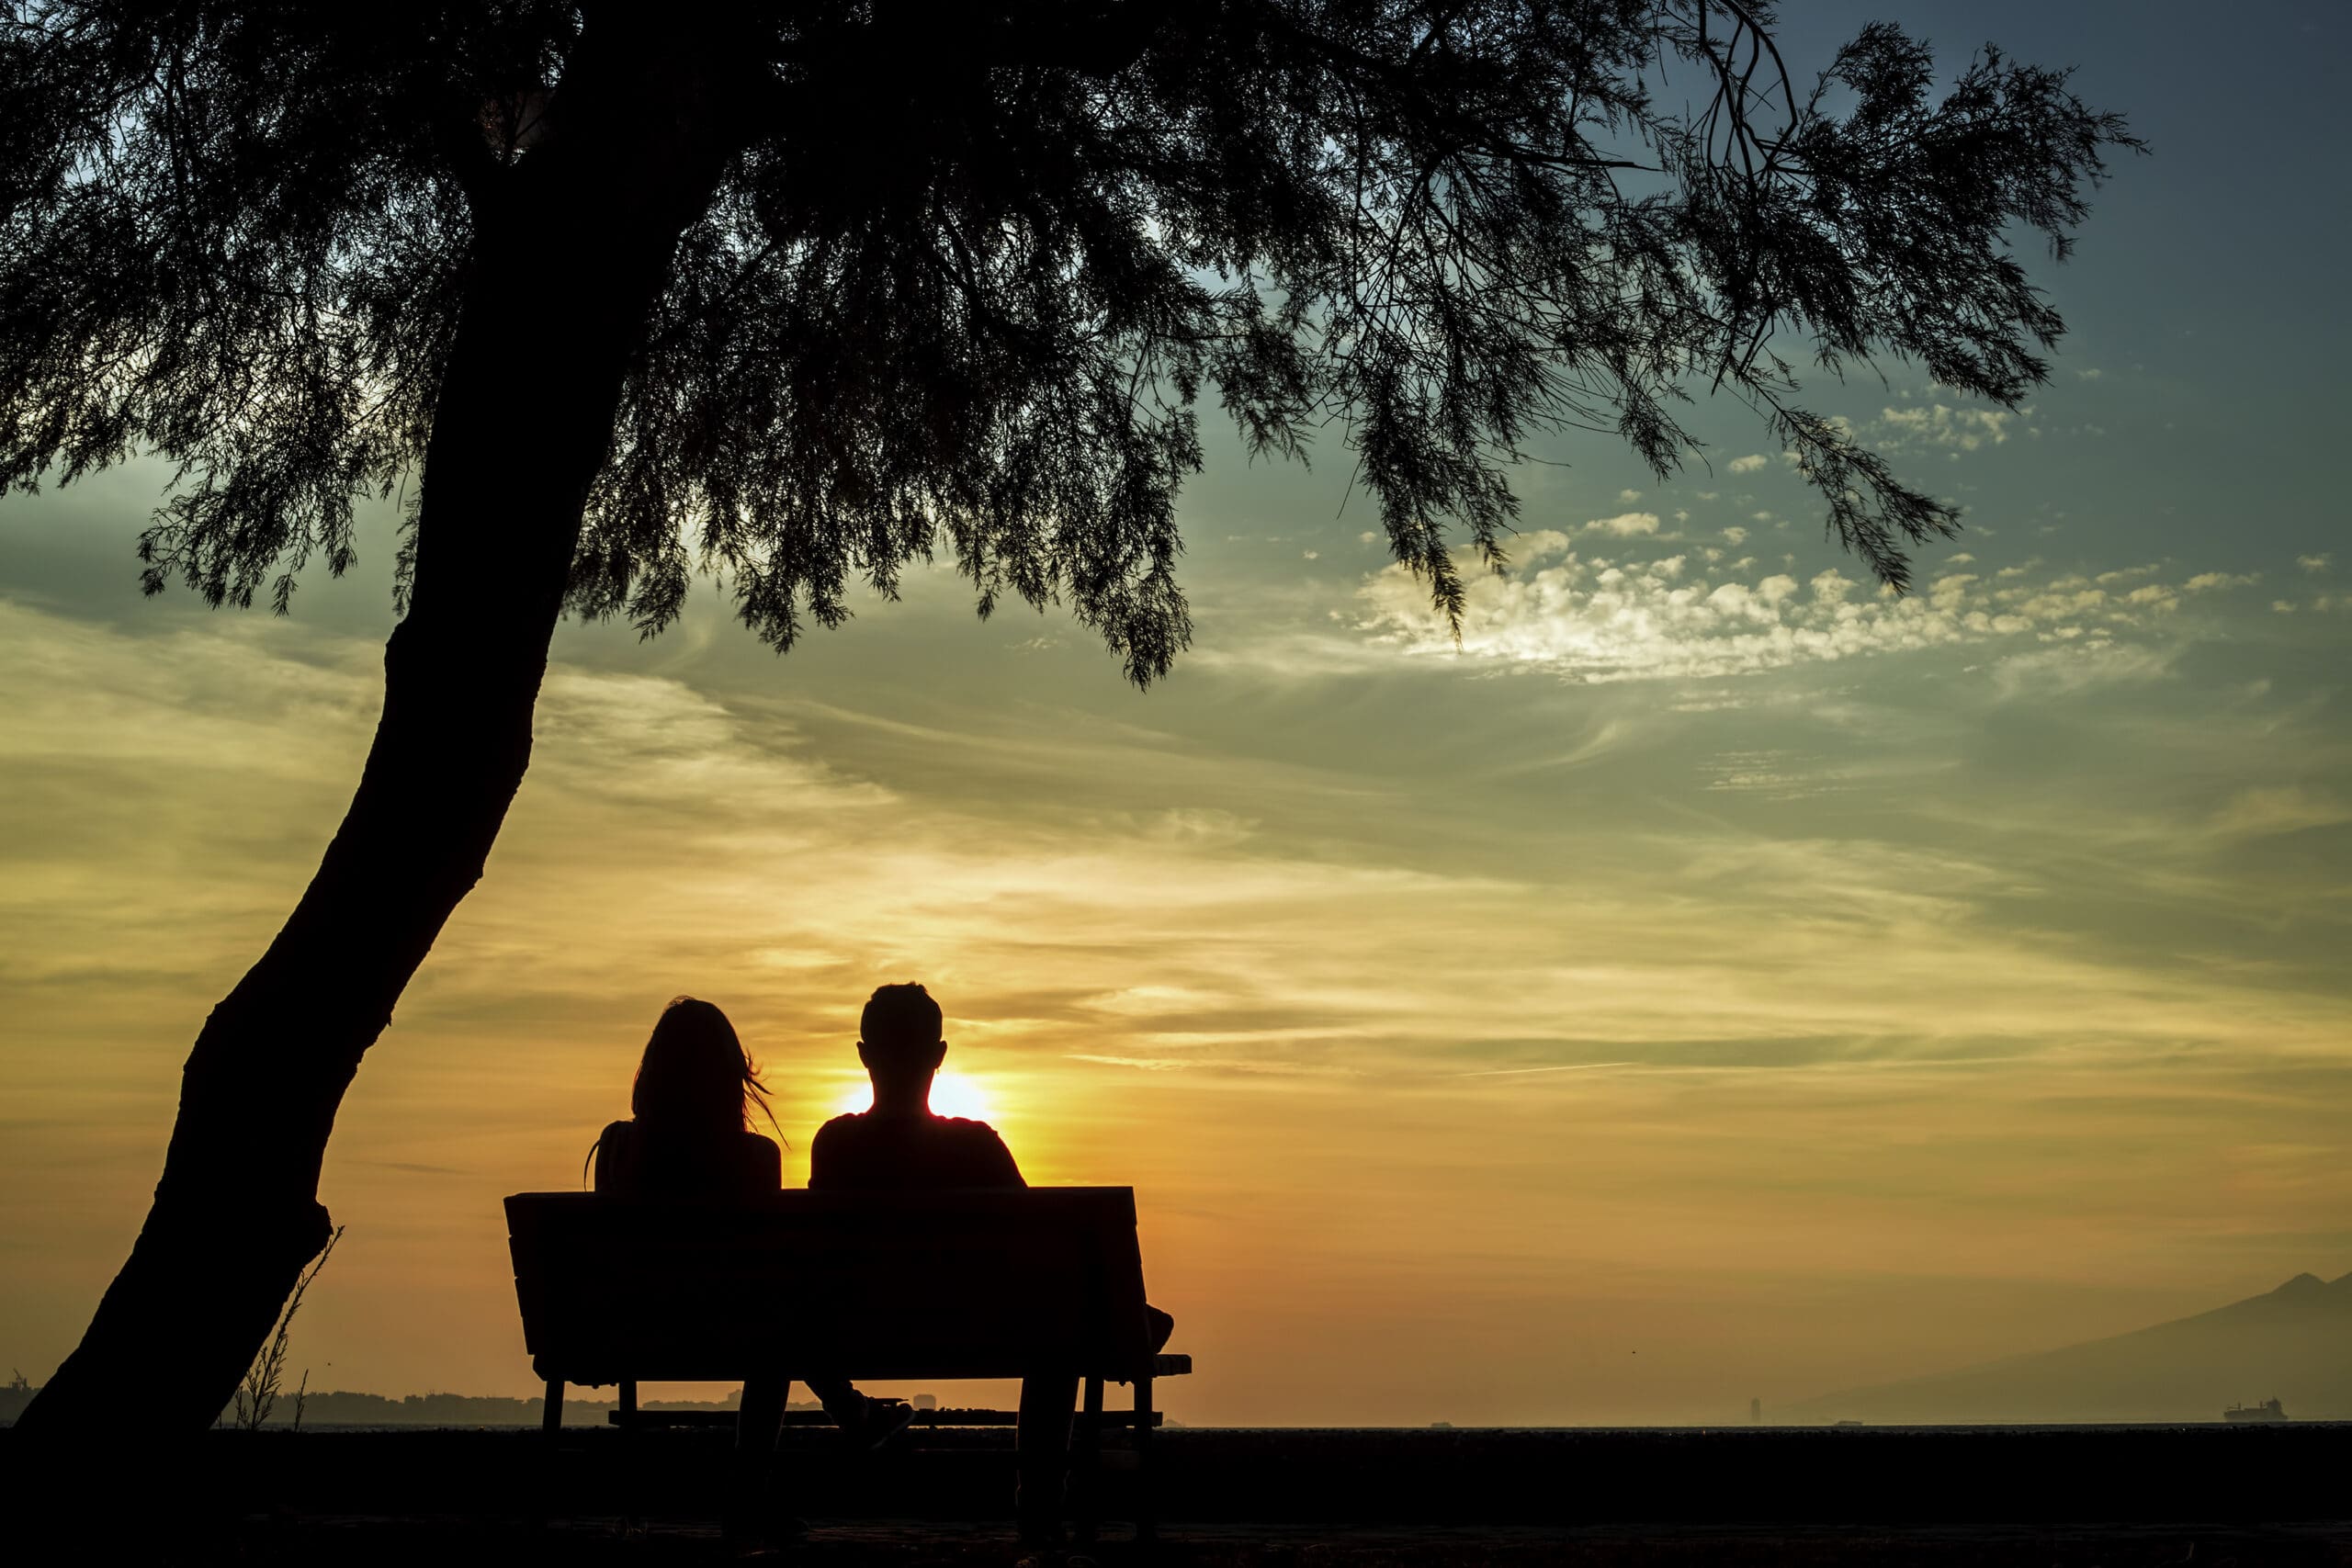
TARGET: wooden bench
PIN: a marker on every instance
(1041, 1280)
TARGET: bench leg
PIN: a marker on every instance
(626, 1408)
(1086, 1465)
(1146, 1504)
(550, 1439)
(1042, 1444)
(758, 1423)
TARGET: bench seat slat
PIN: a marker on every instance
(884, 1286)
(924, 1419)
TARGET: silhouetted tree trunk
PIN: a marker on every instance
(572, 248)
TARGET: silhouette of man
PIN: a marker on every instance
(900, 1146)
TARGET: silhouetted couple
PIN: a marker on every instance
(689, 1137)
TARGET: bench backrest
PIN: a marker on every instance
(995, 1283)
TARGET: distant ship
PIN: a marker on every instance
(2268, 1410)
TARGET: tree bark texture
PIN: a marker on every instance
(571, 246)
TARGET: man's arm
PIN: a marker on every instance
(824, 1157)
(993, 1163)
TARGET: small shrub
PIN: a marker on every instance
(257, 1395)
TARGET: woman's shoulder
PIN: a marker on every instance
(763, 1161)
(615, 1146)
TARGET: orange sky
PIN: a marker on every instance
(1477, 1053)
(1712, 980)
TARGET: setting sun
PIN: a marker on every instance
(952, 1094)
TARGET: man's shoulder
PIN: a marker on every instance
(842, 1138)
(855, 1124)
(979, 1155)
(910, 1152)
(965, 1137)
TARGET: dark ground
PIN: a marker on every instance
(908, 1544)
(2036, 1497)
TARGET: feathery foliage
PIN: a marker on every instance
(972, 270)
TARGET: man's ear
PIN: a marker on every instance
(938, 1055)
(864, 1059)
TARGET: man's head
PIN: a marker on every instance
(901, 1040)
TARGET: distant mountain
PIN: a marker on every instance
(2294, 1343)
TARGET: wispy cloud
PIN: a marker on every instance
(1613, 618)
(1625, 525)
(1940, 426)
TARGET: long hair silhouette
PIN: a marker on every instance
(697, 1077)
(692, 1096)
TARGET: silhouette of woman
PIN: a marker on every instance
(688, 1138)
(689, 1133)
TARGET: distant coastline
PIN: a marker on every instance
(333, 1408)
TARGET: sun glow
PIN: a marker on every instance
(952, 1094)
